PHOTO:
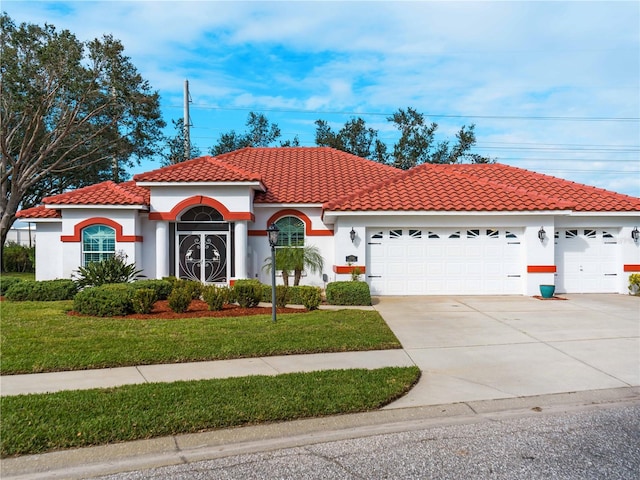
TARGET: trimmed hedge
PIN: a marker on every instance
(180, 299)
(161, 287)
(42, 291)
(348, 293)
(247, 293)
(283, 296)
(7, 282)
(109, 300)
(215, 296)
(144, 299)
(309, 296)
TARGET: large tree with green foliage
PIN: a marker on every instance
(174, 151)
(71, 113)
(260, 133)
(416, 145)
(355, 137)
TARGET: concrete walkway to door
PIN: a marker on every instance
(481, 348)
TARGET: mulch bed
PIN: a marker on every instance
(198, 308)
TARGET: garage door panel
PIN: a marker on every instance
(586, 260)
(446, 261)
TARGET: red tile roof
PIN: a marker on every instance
(105, 193)
(344, 182)
(481, 187)
(307, 174)
(39, 212)
(584, 198)
(201, 169)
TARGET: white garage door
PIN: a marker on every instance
(463, 261)
(586, 260)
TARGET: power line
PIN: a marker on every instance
(429, 115)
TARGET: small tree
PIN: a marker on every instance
(296, 260)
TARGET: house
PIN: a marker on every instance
(434, 229)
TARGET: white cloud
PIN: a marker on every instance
(473, 59)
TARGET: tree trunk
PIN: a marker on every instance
(297, 275)
(285, 278)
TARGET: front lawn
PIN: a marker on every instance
(42, 337)
(40, 423)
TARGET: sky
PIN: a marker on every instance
(550, 86)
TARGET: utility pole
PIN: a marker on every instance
(187, 122)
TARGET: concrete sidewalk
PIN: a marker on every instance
(112, 377)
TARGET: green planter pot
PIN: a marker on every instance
(547, 291)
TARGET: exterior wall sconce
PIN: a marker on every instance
(635, 234)
(352, 235)
(272, 235)
(542, 234)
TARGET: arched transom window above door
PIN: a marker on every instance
(201, 213)
(291, 232)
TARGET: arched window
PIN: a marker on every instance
(291, 232)
(98, 243)
(202, 213)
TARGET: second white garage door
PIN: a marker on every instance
(586, 259)
(441, 261)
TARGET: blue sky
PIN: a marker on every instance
(551, 86)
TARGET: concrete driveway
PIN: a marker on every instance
(490, 347)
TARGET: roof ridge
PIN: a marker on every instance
(119, 188)
(229, 166)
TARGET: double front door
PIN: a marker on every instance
(203, 256)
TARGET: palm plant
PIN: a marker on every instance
(296, 260)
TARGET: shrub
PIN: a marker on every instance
(143, 300)
(111, 270)
(193, 286)
(18, 258)
(6, 283)
(108, 300)
(180, 299)
(247, 293)
(44, 291)
(634, 284)
(215, 296)
(282, 296)
(310, 297)
(161, 287)
(348, 293)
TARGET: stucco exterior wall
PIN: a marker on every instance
(48, 251)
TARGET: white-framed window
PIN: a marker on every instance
(98, 243)
(291, 232)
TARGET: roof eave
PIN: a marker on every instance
(70, 206)
(330, 215)
(248, 183)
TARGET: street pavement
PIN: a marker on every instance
(474, 353)
(580, 443)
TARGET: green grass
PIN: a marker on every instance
(45, 422)
(41, 337)
(22, 275)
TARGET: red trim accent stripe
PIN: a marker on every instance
(77, 230)
(541, 269)
(201, 200)
(632, 268)
(348, 268)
